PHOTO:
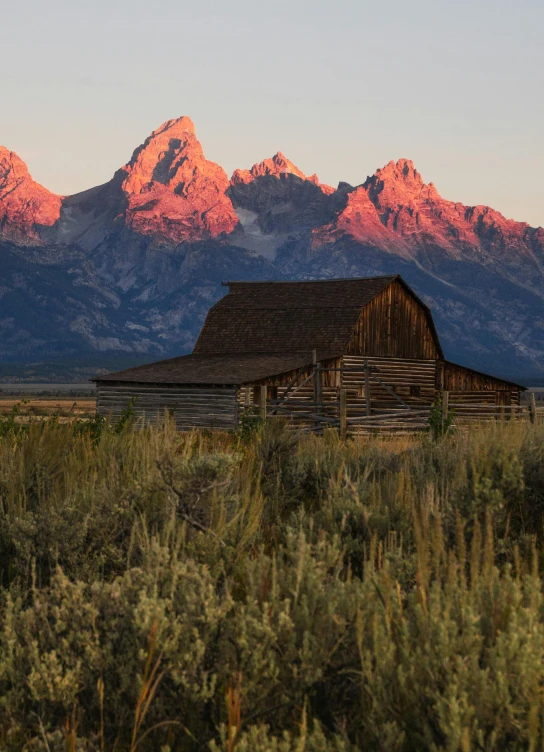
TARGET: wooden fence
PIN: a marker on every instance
(400, 421)
(311, 407)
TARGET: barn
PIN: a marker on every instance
(317, 352)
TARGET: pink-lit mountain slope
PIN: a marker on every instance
(25, 206)
(167, 193)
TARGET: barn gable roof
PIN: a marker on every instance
(287, 317)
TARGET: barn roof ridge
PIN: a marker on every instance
(306, 281)
(299, 307)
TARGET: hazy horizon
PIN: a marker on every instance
(340, 90)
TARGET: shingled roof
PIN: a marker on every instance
(287, 317)
(212, 369)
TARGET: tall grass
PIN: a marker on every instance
(270, 591)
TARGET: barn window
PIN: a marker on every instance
(415, 391)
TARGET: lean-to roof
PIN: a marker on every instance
(212, 369)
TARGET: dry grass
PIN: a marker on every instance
(32, 408)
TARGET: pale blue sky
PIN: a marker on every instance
(340, 87)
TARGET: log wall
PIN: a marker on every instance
(471, 387)
(414, 381)
(395, 325)
(190, 406)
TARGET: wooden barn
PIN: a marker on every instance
(333, 352)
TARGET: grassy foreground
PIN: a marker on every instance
(270, 592)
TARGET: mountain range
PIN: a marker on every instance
(129, 269)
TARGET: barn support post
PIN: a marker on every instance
(262, 401)
(367, 387)
(532, 407)
(318, 385)
(343, 415)
(445, 406)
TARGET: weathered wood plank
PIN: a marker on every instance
(213, 407)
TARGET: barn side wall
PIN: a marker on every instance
(466, 386)
(413, 380)
(394, 325)
(190, 406)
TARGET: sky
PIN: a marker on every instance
(340, 87)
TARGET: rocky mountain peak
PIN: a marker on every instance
(274, 166)
(11, 165)
(398, 184)
(25, 206)
(403, 170)
(278, 165)
(160, 158)
(174, 193)
(176, 126)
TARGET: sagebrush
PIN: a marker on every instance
(270, 591)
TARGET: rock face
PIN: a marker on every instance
(173, 192)
(133, 265)
(275, 198)
(416, 215)
(25, 206)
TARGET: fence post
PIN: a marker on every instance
(445, 406)
(343, 415)
(532, 407)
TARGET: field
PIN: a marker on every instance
(26, 403)
(269, 592)
(28, 408)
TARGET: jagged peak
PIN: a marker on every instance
(14, 173)
(402, 170)
(398, 182)
(179, 125)
(172, 134)
(277, 165)
(162, 154)
(26, 207)
(10, 160)
(273, 166)
(171, 191)
(282, 163)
